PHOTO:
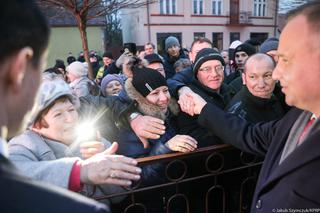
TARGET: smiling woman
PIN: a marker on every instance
(149, 95)
(46, 151)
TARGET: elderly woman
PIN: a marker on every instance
(44, 152)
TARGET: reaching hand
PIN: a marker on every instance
(90, 148)
(107, 168)
(186, 104)
(182, 143)
(198, 103)
(147, 127)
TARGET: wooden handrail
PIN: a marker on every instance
(166, 157)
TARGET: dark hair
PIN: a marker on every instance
(181, 64)
(38, 120)
(53, 70)
(149, 43)
(134, 62)
(311, 11)
(201, 40)
(22, 25)
(60, 64)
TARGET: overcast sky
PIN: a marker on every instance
(286, 5)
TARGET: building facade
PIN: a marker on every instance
(65, 36)
(222, 21)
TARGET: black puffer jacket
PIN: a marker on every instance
(255, 109)
(188, 125)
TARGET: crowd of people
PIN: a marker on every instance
(152, 104)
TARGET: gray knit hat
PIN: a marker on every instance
(49, 91)
(269, 44)
(170, 41)
(77, 68)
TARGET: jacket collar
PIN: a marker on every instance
(259, 102)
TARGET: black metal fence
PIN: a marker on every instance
(212, 179)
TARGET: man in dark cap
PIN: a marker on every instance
(156, 63)
(109, 66)
(208, 73)
(173, 54)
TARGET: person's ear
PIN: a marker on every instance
(19, 66)
(243, 75)
(39, 124)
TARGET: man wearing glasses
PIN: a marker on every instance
(208, 83)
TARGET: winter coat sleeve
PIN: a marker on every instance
(254, 139)
(37, 161)
(179, 80)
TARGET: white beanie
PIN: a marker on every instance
(77, 68)
(235, 44)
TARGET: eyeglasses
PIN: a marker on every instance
(217, 69)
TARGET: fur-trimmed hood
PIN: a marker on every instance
(147, 108)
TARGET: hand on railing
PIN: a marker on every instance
(182, 143)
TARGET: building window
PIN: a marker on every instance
(234, 36)
(198, 35)
(217, 40)
(259, 7)
(168, 6)
(198, 7)
(216, 7)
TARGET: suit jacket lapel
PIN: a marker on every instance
(306, 152)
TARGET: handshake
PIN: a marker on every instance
(190, 102)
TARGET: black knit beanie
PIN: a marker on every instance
(204, 55)
(145, 80)
(247, 48)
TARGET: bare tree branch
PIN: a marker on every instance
(85, 10)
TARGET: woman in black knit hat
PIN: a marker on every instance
(149, 95)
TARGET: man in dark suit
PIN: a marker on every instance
(289, 178)
(23, 42)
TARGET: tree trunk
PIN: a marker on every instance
(82, 26)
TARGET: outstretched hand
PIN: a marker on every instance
(108, 168)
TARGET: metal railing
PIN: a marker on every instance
(218, 178)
